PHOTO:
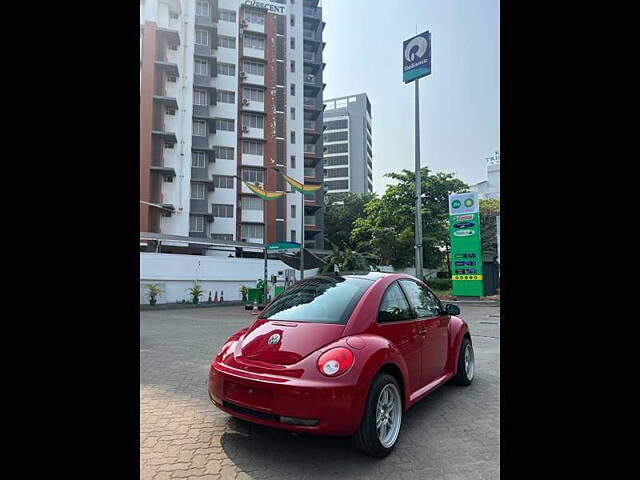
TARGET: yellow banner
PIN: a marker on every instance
(466, 277)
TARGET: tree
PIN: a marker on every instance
(340, 214)
(489, 209)
(387, 229)
(347, 261)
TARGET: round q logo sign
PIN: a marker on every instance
(415, 49)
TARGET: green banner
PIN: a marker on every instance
(466, 250)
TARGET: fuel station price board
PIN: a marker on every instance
(466, 249)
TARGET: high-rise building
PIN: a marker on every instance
(230, 89)
(348, 164)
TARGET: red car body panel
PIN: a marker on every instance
(258, 382)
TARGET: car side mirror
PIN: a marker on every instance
(450, 309)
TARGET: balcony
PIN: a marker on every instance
(252, 133)
(252, 160)
(171, 36)
(171, 69)
(247, 105)
(252, 216)
(253, 53)
(168, 102)
(311, 16)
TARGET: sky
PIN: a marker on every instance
(459, 101)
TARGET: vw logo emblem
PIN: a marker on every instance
(273, 339)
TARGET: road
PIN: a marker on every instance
(454, 433)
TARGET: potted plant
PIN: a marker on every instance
(153, 291)
(243, 292)
(196, 292)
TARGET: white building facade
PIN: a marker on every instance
(230, 90)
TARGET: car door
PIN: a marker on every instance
(397, 323)
(435, 329)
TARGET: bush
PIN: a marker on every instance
(439, 283)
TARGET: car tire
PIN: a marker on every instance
(367, 438)
(466, 372)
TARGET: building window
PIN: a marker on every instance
(337, 184)
(168, 179)
(336, 124)
(227, 15)
(336, 137)
(201, 67)
(168, 145)
(293, 211)
(226, 42)
(225, 124)
(200, 97)
(251, 147)
(196, 223)
(224, 153)
(293, 89)
(172, 79)
(337, 160)
(254, 68)
(202, 37)
(293, 43)
(197, 191)
(223, 181)
(202, 8)
(225, 211)
(222, 236)
(252, 41)
(336, 172)
(253, 175)
(174, 16)
(292, 20)
(251, 231)
(293, 66)
(173, 46)
(253, 94)
(198, 159)
(226, 97)
(199, 128)
(293, 236)
(254, 17)
(293, 113)
(252, 203)
(170, 111)
(293, 137)
(293, 161)
(226, 69)
(253, 121)
(337, 148)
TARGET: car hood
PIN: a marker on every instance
(297, 340)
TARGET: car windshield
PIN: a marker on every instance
(319, 299)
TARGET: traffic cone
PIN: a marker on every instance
(255, 308)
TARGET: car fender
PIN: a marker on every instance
(458, 328)
(370, 357)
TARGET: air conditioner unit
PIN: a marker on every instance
(242, 74)
(245, 102)
(245, 129)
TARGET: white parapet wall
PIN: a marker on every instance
(175, 273)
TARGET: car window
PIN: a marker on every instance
(318, 299)
(394, 306)
(422, 300)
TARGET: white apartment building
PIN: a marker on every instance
(230, 91)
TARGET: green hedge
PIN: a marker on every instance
(439, 283)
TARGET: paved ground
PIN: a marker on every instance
(454, 433)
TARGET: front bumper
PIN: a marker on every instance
(329, 406)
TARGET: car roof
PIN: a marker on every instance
(367, 275)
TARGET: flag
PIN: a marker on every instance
(263, 194)
(299, 187)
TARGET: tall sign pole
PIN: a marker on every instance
(416, 63)
(302, 238)
(418, 247)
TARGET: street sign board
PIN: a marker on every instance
(466, 249)
(416, 57)
(283, 246)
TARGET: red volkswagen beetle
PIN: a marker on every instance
(343, 355)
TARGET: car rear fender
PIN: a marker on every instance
(376, 353)
(457, 330)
